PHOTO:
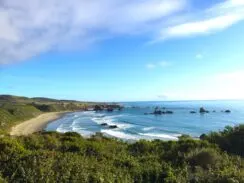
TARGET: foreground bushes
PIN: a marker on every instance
(230, 139)
(54, 157)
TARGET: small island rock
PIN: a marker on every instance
(113, 126)
(202, 110)
(104, 124)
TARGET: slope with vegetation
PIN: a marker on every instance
(15, 109)
(54, 157)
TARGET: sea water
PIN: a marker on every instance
(133, 124)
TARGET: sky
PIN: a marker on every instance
(122, 50)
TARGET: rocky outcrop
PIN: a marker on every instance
(110, 109)
(107, 107)
(113, 126)
(202, 110)
(104, 124)
(193, 112)
(157, 111)
(98, 108)
(227, 111)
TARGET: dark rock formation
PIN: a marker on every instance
(227, 111)
(193, 112)
(104, 124)
(98, 108)
(110, 109)
(202, 110)
(113, 126)
(158, 112)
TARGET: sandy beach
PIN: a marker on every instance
(35, 124)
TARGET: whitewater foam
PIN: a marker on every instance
(110, 120)
(119, 134)
(148, 128)
(161, 136)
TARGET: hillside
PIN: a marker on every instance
(14, 109)
(26, 100)
(55, 157)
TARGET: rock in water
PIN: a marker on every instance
(110, 109)
(104, 124)
(113, 126)
(202, 110)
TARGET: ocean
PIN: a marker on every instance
(133, 124)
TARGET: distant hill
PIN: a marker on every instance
(13, 99)
(26, 100)
(14, 109)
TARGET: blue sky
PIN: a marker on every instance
(124, 50)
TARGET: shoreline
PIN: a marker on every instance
(35, 124)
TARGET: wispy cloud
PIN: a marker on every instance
(150, 66)
(199, 56)
(216, 18)
(158, 64)
(32, 27)
(164, 64)
(203, 26)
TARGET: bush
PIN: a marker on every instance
(231, 139)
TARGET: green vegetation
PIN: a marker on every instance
(54, 157)
(230, 139)
(15, 109)
(10, 114)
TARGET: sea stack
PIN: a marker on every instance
(202, 110)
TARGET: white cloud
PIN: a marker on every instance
(214, 19)
(32, 27)
(164, 64)
(227, 85)
(235, 78)
(230, 84)
(203, 26)
(150, 66)
(199, 56)
(159, 64)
